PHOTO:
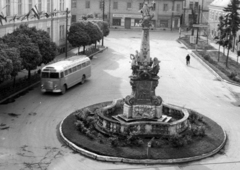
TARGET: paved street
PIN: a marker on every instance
(31, 141)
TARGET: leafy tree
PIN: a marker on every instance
(31, 57)
(221, 34)
(29, 51)
(6, 66)
(234, 16)
(14, 55)
(41, 38)
(232, 23)
(92, 30)
(77, 36)
(106, 30)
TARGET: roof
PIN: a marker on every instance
(67, 63)
(220, 3)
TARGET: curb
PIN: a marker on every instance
(26, 88)
(91, 56)
(13, 95)
(137, 161)
(208, 67)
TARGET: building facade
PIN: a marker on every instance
(125, 13)
(200, 8)
(51, 12)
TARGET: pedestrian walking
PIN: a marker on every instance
(188, 59)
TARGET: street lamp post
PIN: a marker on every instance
(103, 8)
(66, 45)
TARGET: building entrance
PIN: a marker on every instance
(127, 23)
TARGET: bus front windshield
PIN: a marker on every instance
(50, 75)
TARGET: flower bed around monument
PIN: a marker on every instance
(204, 137)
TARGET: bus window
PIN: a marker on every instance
(88, 62)
(70, 70)
(74, 69)
(79, 67)
(54, 75)
(62, 75)
(83, 64)
(45, 75)
(66, 72)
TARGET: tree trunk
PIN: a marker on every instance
(14, 81)
(234, 39)
(78, 50)
(84, 49)
(29, 74)
(95, 45)
(227, 57)
(218, 52)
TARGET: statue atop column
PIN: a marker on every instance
(142, 63)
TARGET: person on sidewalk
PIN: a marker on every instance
(188, 59)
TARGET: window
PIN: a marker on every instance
(116, 22)
(74, 18)
(29, 4)
(164, 23)
(74, 69)
(61, 5)
(115, 5)
(140, 5)
(45, 75)
(191, 5)
(87, 4)
(61, 32)
(8, 7)
(48, 30)
(70, 71)
(39, 5)
(74, 3)
(165, 7)
(129, 5)
(19, 7)
(62, 75)
(66, 72)
(101, 3)
(48, 6)
(54, 75)
(79, 67)
(137, 22)
(178, 8)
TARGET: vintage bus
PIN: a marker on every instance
(60, 76)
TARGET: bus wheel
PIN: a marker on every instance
(83, 79)
(64, 88)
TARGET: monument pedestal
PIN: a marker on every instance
(142, 111)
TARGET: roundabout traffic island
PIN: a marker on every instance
(141, 128)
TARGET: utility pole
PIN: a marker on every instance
(172, 15)
(103, 8)
(198, 23)
(66, 45)
(52, 20)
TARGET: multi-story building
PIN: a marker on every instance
(200, 9)
(125, 13)
(51, 12)
(215, 11)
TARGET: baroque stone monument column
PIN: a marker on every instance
(143, 102)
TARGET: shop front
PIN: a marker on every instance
(126, 21)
